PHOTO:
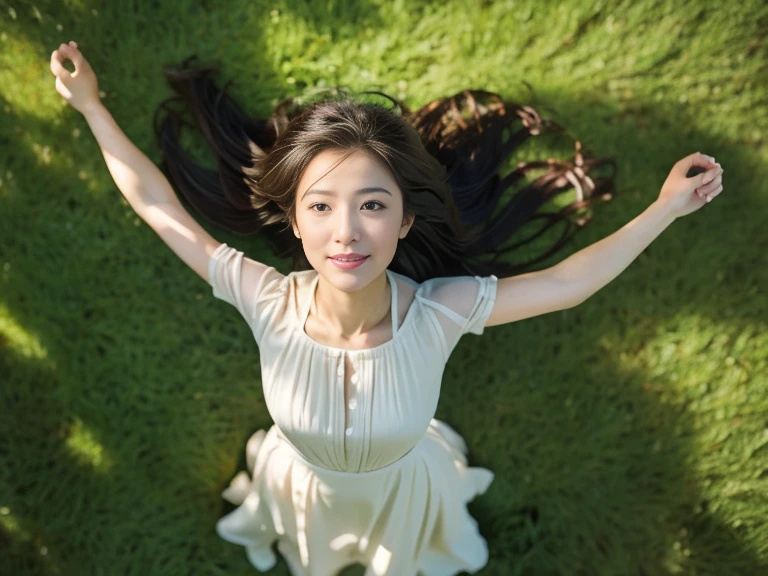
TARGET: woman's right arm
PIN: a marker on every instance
(138, 178)
(142, 183)
(150, 194)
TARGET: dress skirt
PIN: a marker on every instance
(404, 519)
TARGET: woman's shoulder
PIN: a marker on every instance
(465, 301)
(446, 287)
(291, 281)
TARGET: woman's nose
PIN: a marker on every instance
(346, 227)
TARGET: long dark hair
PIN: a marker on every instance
(445, 157)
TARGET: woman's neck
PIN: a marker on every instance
(351, 314)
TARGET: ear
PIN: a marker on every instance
(407, 223)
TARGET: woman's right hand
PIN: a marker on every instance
(79, 88)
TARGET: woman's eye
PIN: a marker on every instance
(371, 202)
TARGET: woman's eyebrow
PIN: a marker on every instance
(358, 192)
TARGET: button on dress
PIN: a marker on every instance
(355, 468)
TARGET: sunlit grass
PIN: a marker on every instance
(15, 338)
(628, 435)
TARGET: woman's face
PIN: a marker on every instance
(335, 216)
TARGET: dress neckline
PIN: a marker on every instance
(303, 314)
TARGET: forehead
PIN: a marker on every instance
(356, 170)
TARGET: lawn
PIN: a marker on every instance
(628, 435)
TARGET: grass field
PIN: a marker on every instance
(629, 435)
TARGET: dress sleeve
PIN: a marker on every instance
(461, 304)
(481, 309)
(244, 283)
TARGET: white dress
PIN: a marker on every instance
(355, 469)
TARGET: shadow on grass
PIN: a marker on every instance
(633, 506)
(158, 426)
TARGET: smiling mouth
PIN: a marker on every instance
(349, 259)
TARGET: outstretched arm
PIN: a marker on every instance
(572, 281)
(590, 269)
(142, 183)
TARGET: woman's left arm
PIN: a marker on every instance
(588, 270)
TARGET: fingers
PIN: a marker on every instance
(713, 188)
(710, 187)
(710, 182)
(66, 52)
(715, 193)
(696, 159)
(700, 159)
(57, 60)
(710, 175)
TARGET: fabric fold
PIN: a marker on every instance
(411, 515)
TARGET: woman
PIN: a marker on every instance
(383, 215)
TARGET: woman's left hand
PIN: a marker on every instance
(684, 195)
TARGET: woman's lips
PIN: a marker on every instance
(348, 265)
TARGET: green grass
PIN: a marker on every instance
(629, 435)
